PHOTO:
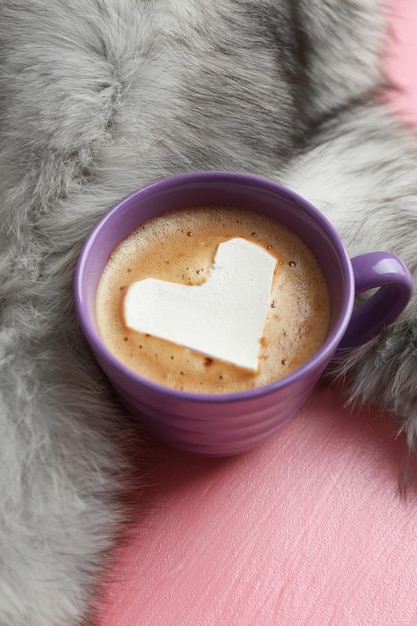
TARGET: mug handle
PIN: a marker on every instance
(372, 270)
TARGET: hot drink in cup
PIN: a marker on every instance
(213, 301)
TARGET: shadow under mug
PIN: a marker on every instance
(227, 424)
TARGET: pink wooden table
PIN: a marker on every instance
(308, 529)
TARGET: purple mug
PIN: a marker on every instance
(227, 424)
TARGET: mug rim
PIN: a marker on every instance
(322, 355)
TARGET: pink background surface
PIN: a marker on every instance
(309, 528)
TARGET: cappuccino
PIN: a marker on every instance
(180, 247)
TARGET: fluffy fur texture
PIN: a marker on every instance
(98, 97)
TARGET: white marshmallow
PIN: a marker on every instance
(222, 318)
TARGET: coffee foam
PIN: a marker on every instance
(180, 247)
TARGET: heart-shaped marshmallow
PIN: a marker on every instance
(223, 318)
